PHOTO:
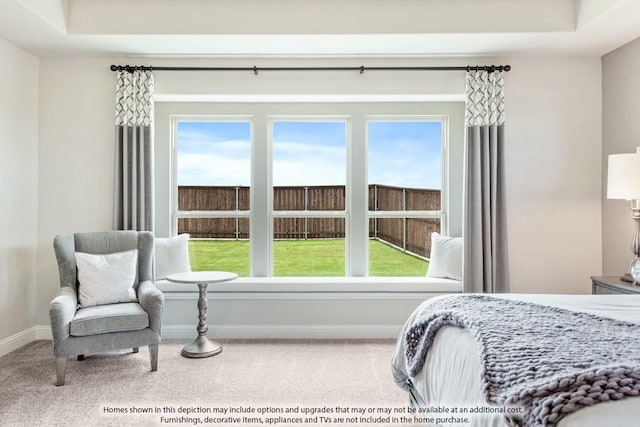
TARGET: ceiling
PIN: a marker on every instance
(318, 28)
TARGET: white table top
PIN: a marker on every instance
(202, 277)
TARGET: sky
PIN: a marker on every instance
(404, 154)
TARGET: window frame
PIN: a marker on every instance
(232, 108)
(176, 213)
(442, 214)
(344, 214)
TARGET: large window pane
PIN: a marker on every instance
(405, 174)
(213, 171)
(309, 174)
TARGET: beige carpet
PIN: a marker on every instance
(285, 378)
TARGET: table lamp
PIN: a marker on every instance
(624, 183)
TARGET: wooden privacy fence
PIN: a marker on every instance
(410, 234)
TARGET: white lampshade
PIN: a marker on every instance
(623, 180)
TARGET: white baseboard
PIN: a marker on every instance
(186, 332)
(17, 340)
(284, 331)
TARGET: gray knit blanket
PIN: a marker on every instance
(547, 360)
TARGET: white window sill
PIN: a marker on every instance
(332, 287)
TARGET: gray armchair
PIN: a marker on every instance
(80, 331)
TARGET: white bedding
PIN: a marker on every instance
(452, 373)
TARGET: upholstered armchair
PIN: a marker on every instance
(84, 323)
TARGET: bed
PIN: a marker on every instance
(451, 371)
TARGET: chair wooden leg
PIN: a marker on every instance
(136, 349)
(61, 369)
(153, 353)
(80, 357)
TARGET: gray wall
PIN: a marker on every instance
(620, 134)
(18, 194)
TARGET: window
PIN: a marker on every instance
(309, 175)
(405, 173)
(310, 189)
(213, 175)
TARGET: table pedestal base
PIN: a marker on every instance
(201, 347)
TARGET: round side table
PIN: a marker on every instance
(202, 346)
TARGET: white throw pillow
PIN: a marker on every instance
(106, 278)
(446, 257)
(172, 255)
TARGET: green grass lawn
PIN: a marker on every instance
(303, 258)
(224, 255)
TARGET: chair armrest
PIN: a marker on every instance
(152, 301)
(65, 247)
(61, 311)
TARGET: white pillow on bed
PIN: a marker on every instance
(446, 257)
(172, 255)
(106, 278)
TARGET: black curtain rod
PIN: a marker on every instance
(361, 69)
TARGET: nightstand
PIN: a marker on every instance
(612, 285)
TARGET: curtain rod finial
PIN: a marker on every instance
(113, 68)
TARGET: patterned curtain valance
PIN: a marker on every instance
(134, 103)
(485, 98)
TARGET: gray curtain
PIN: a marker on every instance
(133, 192)
(485, 260)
